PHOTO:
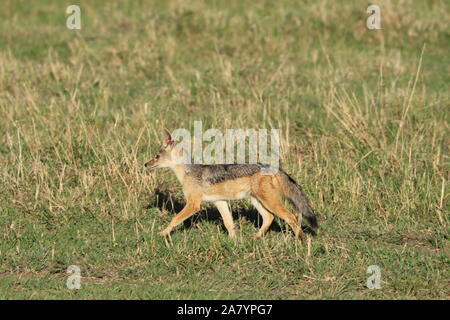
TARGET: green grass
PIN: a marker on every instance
(364, 117)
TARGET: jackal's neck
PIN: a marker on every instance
(180, 171)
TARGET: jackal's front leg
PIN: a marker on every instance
(189, 209)
(226, 216)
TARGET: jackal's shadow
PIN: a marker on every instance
(163, 200)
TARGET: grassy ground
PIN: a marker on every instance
(364, 116)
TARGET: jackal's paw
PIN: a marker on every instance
(258, 235)
(302, 238)
(165, 232)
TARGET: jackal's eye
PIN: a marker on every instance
(157, 156)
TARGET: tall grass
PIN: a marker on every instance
(364, 121)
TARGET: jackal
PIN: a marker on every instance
(222, 182)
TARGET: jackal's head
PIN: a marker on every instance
(167, 156)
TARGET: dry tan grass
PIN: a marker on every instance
(363, 116)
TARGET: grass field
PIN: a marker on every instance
(364, 117)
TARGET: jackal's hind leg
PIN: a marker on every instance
(271, 200)
(266, 216)
(227, 217)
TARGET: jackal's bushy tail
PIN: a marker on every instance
(294, 193)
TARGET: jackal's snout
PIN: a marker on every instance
(152, 163)
(149, 164)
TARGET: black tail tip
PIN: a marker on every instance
(312, 221)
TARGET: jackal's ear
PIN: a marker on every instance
(167, 138)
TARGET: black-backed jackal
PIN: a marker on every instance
(222, 182)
